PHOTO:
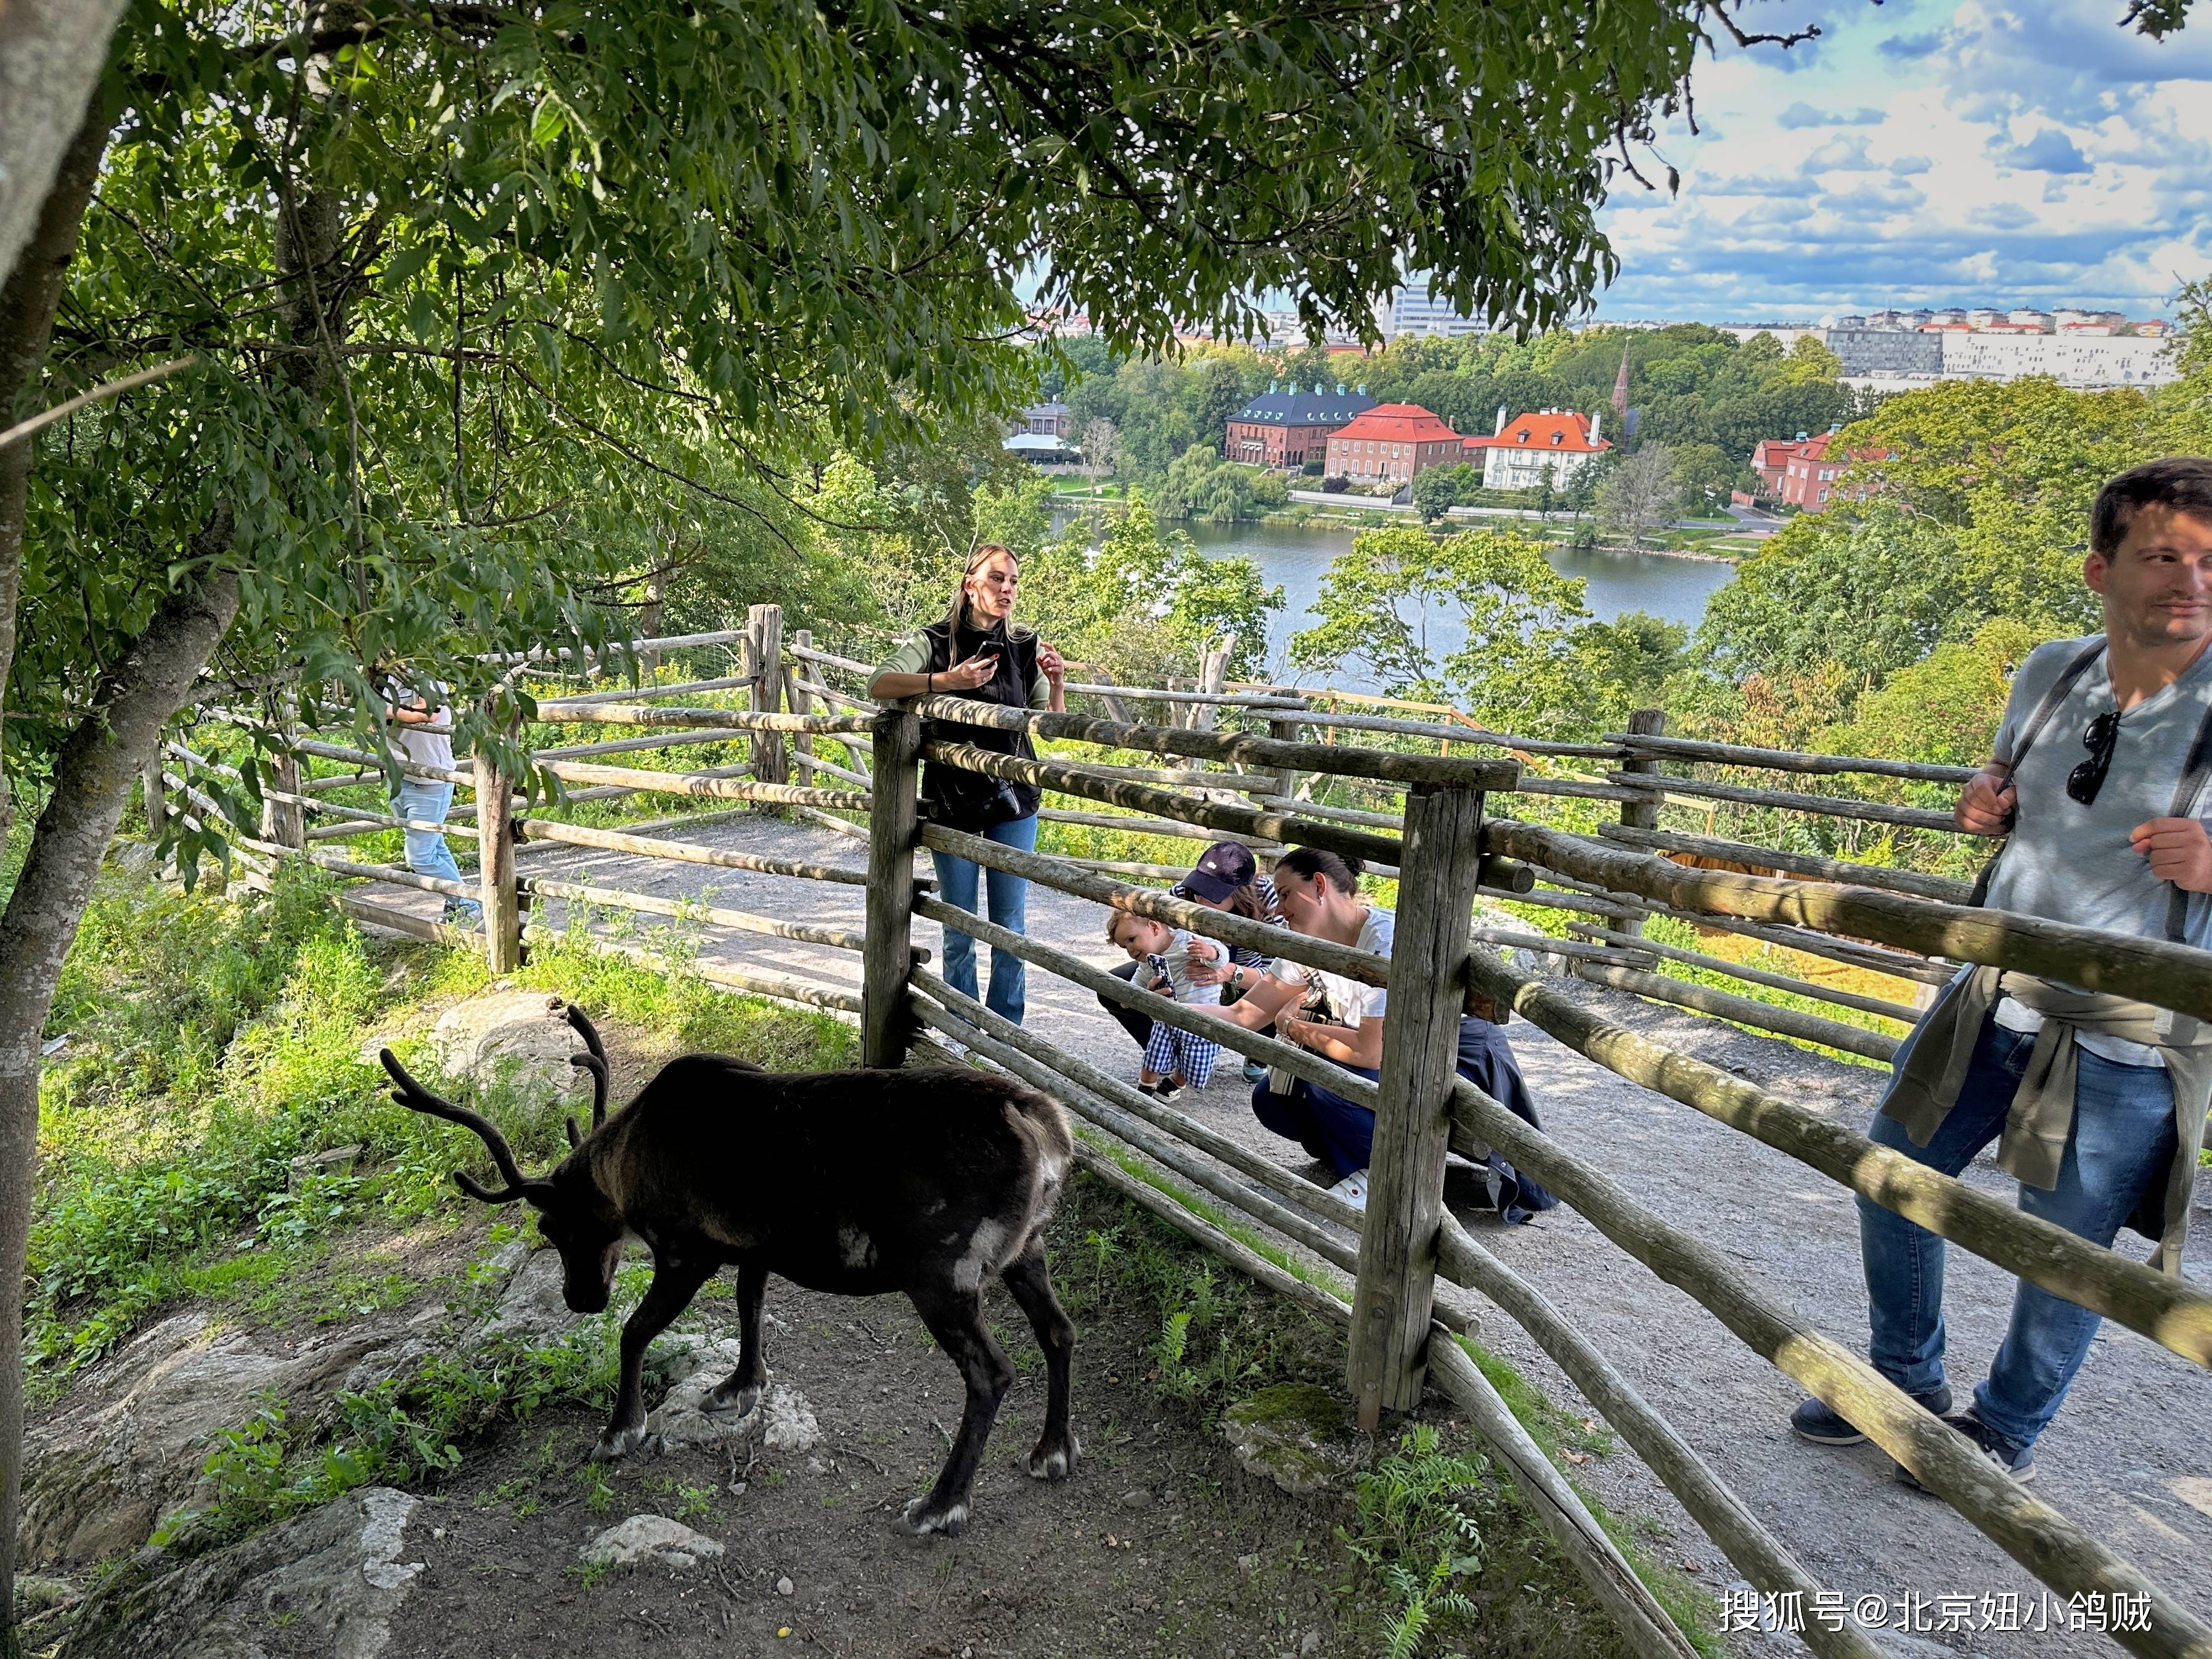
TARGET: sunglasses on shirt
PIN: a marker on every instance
(2103, 736)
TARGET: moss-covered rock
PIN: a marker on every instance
(1296, 1435)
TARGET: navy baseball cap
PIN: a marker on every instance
(1220, 871)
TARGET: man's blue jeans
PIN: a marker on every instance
(423, 802)
(1008, 900)
(2122, 1142)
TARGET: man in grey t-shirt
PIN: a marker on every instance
(2098, 783)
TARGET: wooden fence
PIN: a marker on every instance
(824, 752)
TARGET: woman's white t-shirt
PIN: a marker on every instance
(1347, 1001)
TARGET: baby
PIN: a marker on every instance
(1174, 1059)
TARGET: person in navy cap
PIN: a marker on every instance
(1226, 877)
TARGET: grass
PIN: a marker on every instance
(1442, 1549)
(217, 1038)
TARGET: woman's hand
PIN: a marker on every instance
(1295, 1030)
(977, 670)
(1054, 666)
(1209, 966)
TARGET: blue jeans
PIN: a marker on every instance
(2123, 1140)
(424, 801)
(1008, 899)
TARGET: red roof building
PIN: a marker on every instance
(1770, 458)
(1808, 478)
(1391, 442)
(1522, 451)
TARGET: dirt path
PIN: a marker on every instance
(2125, 1458)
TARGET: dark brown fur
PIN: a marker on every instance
(855, 1182)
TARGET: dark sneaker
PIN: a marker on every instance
(2015, 1459)
(1813, 1421)
(1167, 1089)
(1254, 1072)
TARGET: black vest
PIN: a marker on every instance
(952, 796)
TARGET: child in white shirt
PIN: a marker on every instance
(1174, 1059)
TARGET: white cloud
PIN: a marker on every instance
(1991, 156)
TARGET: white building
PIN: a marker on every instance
(1412, 310)
(1518, 455)
(2072, 359)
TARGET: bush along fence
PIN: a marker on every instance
(1260, 764)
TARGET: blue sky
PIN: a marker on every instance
(1927, 151)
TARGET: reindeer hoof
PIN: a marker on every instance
(740, 1401)
(1053, 1463)
(618, 1442)
(918, 1518)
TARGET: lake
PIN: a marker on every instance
(1675, 590)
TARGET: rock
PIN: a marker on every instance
(128, 1446)
(518, 1038)
(531, 1308)
(336, 1576)
(783, 1419)
(1296, 1435)
(787, 1421)
(784, 1587)
(649, 1537)
(1309, 1643)
(1137, 1499)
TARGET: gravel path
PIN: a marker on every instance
(2126, 1458)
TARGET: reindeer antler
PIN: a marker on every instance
(595, 1062)
(416, 1098)
(597, 1066)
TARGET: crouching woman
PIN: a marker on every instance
(1319, 895)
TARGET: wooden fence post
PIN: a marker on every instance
(1641, 814)
(149, 783)
(1286, 778)
(284, 822)
(765, 627)
(1391, 1306)
(502, 913)
(887, 952)
(802, 701)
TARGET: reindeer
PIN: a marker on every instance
(854, 1182)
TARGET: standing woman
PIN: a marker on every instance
(977, 651)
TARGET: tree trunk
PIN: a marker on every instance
(93, 776)
(26, 324)
(51, 54)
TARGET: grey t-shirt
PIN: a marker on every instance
(2073, 863)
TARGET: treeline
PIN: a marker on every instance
(1705, 396)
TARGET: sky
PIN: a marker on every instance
(1927, 151)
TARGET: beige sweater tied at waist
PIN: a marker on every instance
(1926, 1083)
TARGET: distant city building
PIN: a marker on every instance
(1391, 443)
(1809, 472)
(1288, 428)
(1558, 443)
(2090, 353)
(1047, 420)
(1983, 316)
(1414, 311)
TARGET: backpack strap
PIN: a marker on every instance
(2195, 773)
(2029, 732)
(2052, 698)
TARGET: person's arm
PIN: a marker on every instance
(1359, 1045)
(1258, 1007)
(1986, 804)
(903, 675)
(1054, 667)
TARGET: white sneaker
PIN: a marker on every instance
(1352, 1190)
